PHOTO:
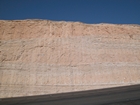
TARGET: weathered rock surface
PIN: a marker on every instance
(44, 57)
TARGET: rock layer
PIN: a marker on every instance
(45, 57)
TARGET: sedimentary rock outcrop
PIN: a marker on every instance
(44, 57)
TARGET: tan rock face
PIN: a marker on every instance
(44, 57)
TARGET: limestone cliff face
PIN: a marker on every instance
(44, 57)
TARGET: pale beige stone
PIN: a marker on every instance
(46, 57)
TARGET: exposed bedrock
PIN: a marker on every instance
(45, 57)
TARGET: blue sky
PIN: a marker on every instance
(87, 11)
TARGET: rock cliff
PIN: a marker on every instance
(45, 57)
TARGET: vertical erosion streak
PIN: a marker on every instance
(50, 29)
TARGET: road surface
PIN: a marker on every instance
(127, 95)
